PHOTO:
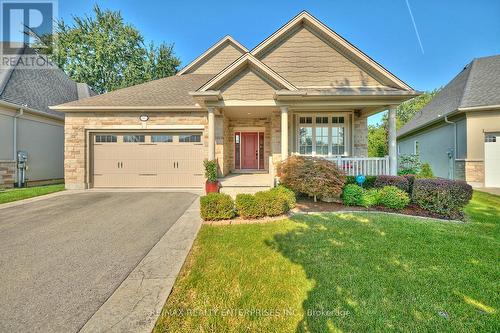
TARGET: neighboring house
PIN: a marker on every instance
(303, 90)
(458, 132)
(26, 122)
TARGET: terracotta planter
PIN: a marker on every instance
(211, 187)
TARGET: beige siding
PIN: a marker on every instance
(220, 59)
(305, 59)
(247, 85)
(6, 136)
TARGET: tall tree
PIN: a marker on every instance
(107, 53)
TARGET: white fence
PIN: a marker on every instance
(368, 166)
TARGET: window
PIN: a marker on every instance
(161, 138)
(237, 160)
(190, 138)
(105, 138)
(338, 146)
(321, 135)
(305, 135)
(490, 138)
(133, 138)
(416, 148)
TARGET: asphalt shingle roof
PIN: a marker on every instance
(478, 84)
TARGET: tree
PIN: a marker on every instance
(107, 53)
(377, 134)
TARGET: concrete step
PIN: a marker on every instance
(234, 190)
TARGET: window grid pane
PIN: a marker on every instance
(190, 138)
(133, 138)
(305, 140)
(161, 138)
(322, 140)
(105, 138)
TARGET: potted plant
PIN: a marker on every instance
(211, 185)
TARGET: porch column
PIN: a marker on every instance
(284, 132)
(393, 158)
(211, 133)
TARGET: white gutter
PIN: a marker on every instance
(29, 110)
(480, 108)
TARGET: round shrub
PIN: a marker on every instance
(352, 195)
(216, 206)
(248, 207)
(288, 194)
(393, 197)
(316, 177)
(371, 197)
(426, 171)
(272, 203)
(398, 181)
(442, 196)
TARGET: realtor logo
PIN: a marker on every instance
(20, 20)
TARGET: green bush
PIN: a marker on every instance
(216, 206)
(371, 197)
(352, 195)
(426, 171)
(369, 182)
(210, 170)
(272, 203)
(288, 194)
(393, 197)
(248, 207)
(398, 181)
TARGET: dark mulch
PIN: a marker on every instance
(306, 205)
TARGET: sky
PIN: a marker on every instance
(426, 52)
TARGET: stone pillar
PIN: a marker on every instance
(211, 133)
(393, 153)
(284, 132)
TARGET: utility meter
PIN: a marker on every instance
(22, 166)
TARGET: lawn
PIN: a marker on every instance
(343, 273)
(30, 192)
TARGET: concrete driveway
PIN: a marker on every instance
(62, 257)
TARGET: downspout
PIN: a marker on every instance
(454, 142)
(14, 141)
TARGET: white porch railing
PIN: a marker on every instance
(368, 166)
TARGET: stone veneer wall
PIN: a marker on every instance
(7, 173)
(360, 136)
(474, 172)
(77, 124)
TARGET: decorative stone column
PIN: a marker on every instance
(211, 133)
(284, 132)
(393, 152)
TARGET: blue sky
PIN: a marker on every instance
(451, 32)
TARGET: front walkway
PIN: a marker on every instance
(490, 190)
(235, 183)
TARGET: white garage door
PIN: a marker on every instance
(147, 160)
(492, 160)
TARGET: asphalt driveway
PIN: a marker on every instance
(61, 258)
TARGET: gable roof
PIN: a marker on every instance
(36, 88)
(305, 18)
(167, 93)
(241, 63)
(477, 85)
(213, 50)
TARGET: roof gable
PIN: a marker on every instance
(368, 70)
(216, 58)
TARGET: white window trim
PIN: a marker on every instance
(346, 126)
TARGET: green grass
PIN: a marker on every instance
(344, 273)
(30, 192)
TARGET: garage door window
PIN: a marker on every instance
(161, 138)
(105, 138)
(490, 138)
(133, 138)
(189, 138)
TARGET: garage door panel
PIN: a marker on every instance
(492, 160)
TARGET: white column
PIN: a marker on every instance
(393, 153)
(284, 132)
(211, 133)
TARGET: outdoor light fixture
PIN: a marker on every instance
(144, 117)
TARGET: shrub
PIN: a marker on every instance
(369, 182)
(371, 197)
(287, 194)
(426, 171)
(210, 170)
(216, 206)
(248, 207)
(409, 164)
(272, 203)
(315, 177)
(411, 179)
(393, 197)
(352, 195)
(442, 196)
(398, 181)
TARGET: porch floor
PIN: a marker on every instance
(235, 183)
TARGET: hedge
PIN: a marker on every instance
(393, 197)
(216, 206)
(352, 195)
(442, 196)
(371, 197)
(397, 181)
(248, 207)
(273, 203)
(288, 194)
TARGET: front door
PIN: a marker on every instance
(249, 150)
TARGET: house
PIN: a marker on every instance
(26, 122)
(303, 90)
(458, 132)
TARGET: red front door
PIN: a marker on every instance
(249, 150)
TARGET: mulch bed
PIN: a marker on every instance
(307, 205)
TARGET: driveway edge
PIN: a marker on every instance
(137, 302)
